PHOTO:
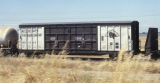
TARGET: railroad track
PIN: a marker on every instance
(85, 56)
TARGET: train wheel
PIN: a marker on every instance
(5, 53)
(112, 56)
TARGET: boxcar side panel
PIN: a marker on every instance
(126, 38)
(111, 36)
(23, 38)
(99, 37)
(104, 38)
(130, 45)
(29, 38)
(117, 38)
(40, 38)
(34, 38)
(19, 40)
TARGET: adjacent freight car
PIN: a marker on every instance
(106, 37)
(8, 40)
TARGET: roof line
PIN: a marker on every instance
(87, 22)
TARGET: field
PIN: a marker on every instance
(139, 69)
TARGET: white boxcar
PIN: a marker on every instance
(83, 37)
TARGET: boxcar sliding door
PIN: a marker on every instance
(114, 38)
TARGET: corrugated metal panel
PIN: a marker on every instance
(82, 37)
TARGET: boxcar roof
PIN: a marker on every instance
(89, 22)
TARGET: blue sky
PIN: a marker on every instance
(15, 12)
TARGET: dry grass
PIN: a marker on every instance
(58, 70)
(49, 69)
